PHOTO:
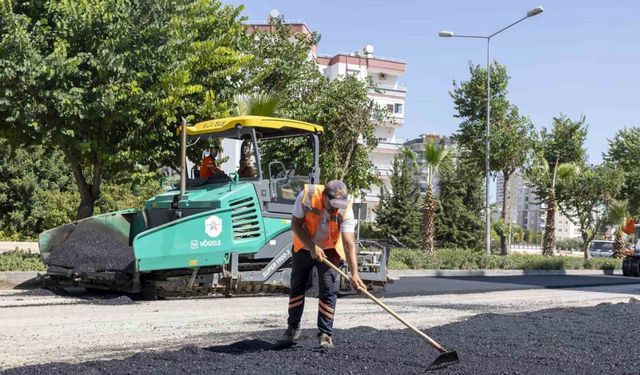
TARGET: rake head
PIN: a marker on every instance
(444, 359)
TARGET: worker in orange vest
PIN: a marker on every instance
(323, 227)
(209, 166)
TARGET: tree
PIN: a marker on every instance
(258, 104)
(106, 80)
(282, 63)
(36, 188)
(459, 221)
(585, 199)
(397, 213)
(561, 152)
(282, 66)
(545, 177)
(510, 138)
(435, 158)
(624, 151)
(618, 214)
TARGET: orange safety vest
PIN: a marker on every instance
(313, 207)
(205, 170)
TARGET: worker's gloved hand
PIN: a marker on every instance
(318, 254)
(357, 283)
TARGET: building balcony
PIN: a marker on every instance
(398, 87)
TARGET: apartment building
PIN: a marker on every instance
(387, 91)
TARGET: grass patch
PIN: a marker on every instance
(457, 259)
(20, 261)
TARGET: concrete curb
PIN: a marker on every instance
(458, 273)
(21, 278)
(28, 278)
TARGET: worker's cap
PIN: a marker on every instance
(336, 190)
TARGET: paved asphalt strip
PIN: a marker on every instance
(413, 286)
(592, 340)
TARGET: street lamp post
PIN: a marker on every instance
(449, 34)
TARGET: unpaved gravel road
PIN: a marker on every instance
(45, 328)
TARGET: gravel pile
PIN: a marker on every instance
(92, 247)
(594, 340)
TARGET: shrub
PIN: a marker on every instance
(20, 261)
(459, 259)
(569, 243)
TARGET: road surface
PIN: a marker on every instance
(46, 328)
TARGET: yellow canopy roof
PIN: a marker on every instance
(266, 126)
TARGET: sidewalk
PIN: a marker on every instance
(28, 247)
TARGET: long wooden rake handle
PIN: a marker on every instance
(415, 330)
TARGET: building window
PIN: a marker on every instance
(390, 108)
(352, 72)
(397, 108)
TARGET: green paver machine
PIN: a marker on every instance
(227, 234)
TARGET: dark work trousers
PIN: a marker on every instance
(328, 280)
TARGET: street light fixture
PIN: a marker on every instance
(449, 34)
(535, 11)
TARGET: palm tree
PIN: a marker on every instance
(435, 154)
(561, 172)
(410, 156)
(618, 213)
(258, 104)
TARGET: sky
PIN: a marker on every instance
(579, 57)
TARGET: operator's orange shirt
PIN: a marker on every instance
(205, 167)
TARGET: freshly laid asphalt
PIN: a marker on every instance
(414, 286)
(591, 340)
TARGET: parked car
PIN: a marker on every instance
(601, 249)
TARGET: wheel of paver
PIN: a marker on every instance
(633, 267)
(626, 267)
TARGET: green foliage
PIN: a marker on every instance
(436, 159)
(398, 212)
(129, 193)
(107, 80)
(368, 230)
(342, 106)
(281, 62)
(457, 259)
(36, 190)
(569, 243)
(511, 134)
(258, 104)
(585, 198)
(436, 156)
(560, 153)
(459, 221)
(618, 212)
(624, 151)
(21, 261)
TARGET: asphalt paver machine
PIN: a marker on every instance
(227, 234)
